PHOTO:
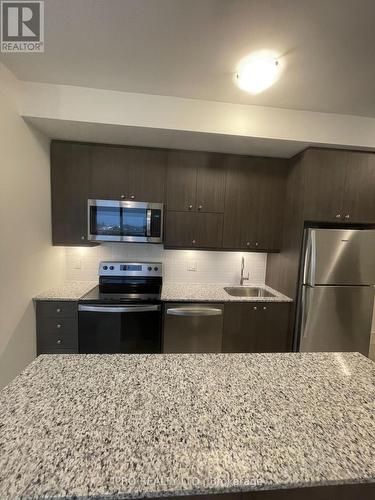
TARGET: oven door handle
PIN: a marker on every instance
(118, 309)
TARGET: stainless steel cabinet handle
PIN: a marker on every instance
(255, 308)
(58, 310)
(193, 242)
(59, 341)
(58, 325)
(256, 244)
(122, 196)
(132, 197)
(190, 207)
(264, 308)
(338, 216)
(194, 311)
(248, 243)
(347, 216)
(118, 309)
(82, 237)
(200, 207)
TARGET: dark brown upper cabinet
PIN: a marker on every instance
(325, 173)
(128, 174)
(339, 186)
(359, 194)
(193, 230)
(254, 201)
(195, 182)
(70, 174)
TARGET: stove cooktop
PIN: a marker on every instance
(97, 295)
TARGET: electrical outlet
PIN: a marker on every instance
(77, 264)
(192, 265)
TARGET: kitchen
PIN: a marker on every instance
(184, 261)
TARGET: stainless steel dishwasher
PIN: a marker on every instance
(193, 327)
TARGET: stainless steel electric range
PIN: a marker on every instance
(123, 313)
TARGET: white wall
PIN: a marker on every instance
(28, 262)
(211, 267)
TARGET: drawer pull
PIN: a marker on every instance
(59, 341)
(255, 308)
(264, 308)
(58, 310)
(58, 325)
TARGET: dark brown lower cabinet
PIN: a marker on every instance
(193, 230)
(256, 327)
(56, 327)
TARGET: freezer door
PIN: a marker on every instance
(336, 318)
(339, 257)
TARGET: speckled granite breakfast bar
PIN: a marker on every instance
(128, 426)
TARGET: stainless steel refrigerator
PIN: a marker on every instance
(336, 292)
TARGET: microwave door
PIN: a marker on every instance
(131, 221)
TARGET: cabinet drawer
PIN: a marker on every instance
(57, 309)
(56, 341)
(58, 325)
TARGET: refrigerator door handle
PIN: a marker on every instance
(310, 258)
(313, 259)
(304, 311)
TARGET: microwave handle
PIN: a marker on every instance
(148, 222)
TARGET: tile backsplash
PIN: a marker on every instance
(210, 267)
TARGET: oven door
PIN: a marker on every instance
(117, 328)
(133, 221)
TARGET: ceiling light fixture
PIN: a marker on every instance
(258, 71)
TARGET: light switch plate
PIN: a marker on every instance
(192, 265)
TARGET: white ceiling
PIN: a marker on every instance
(163, 138)
(190, 48)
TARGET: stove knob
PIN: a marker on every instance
(156, 269)
(111, 268)
(149, 268)
(105, 268)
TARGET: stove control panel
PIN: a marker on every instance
(121, 268)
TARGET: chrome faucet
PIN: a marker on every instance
(243, 278)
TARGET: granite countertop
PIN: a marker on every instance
(171, 292)
(127, 426)
(69, 290)
(180, 292)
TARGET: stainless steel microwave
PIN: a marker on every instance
(131, 221)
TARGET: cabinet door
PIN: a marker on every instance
(208, 231)
(240, 327)
(256, 327)
(193, 230)
(146, 173)
(110, 173)
(240, 216)
(359, 195)
(179, 229)
(273, 333)
(211, 185)
(270, 199)
(70, 173)
(182, 181)
(325, 174)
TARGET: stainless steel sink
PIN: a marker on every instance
(248, 291)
